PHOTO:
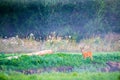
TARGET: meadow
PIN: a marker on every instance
(66, 63)
(61, 66)
(73, 60)
(60, 76)
(71, 29)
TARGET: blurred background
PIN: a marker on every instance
(60, 25)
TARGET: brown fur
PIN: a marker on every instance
(86, 54)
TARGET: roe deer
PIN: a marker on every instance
(86, 54)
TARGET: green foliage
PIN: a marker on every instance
(56, 60)
(86, 17)
(63, 76)
(3, 76)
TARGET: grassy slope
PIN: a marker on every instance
(76, 60)
(60, 76)
(56, 60)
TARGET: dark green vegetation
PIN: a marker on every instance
(60, 76)
(57, 60)
(51, 62)
(78, 18)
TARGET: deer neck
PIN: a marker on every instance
(82, 51)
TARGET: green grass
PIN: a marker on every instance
(55, 60)
(24, 62)
(60, 76)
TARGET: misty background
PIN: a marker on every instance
(77, 18)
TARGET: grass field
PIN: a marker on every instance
(60, 66)
(60, 76)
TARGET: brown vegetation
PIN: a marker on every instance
(43, 52)
(107, 43)
(111, 67)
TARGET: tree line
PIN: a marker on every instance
(77, 18)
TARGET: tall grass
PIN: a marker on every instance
(109, 42)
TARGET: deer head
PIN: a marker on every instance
(86, 53)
